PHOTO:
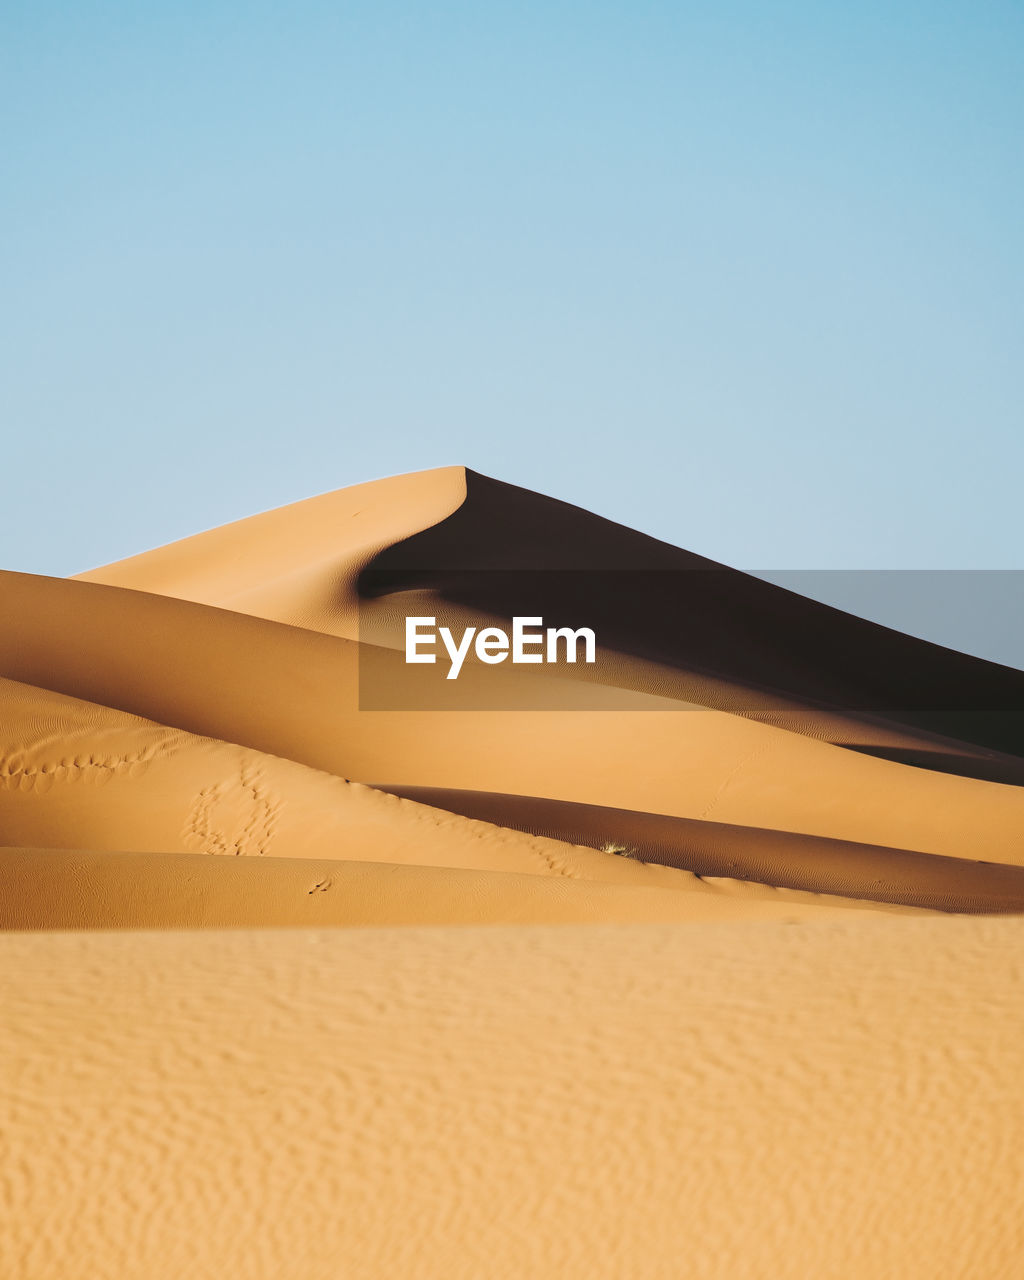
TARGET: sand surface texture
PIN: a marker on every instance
(700, 961)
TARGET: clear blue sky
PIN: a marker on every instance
(747, 276)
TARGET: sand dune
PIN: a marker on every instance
(836, 1100)
(296, 695)
(782, 858)
(751, 1047)
(82, 889)
(298, 564)
(673, 623)
(112, 781)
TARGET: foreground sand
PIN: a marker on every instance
(836, 1100)
(79, 889)
(693, 999)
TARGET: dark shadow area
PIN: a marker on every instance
(509, 551)
(1005, 769)
(786, 860)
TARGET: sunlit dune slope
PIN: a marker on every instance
(299, 563)
(294, 693)
(91, 777)
(115, 782)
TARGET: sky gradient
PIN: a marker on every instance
(744, 276)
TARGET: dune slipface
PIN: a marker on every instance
(318, 963)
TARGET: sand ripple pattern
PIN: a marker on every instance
(558, 1103)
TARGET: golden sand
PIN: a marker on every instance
(694, 998)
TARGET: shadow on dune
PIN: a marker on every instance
(508, 551)
(1008, 770)
(782, 859)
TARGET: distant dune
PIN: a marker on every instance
(728, 1026)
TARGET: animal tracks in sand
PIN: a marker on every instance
(235, 816)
